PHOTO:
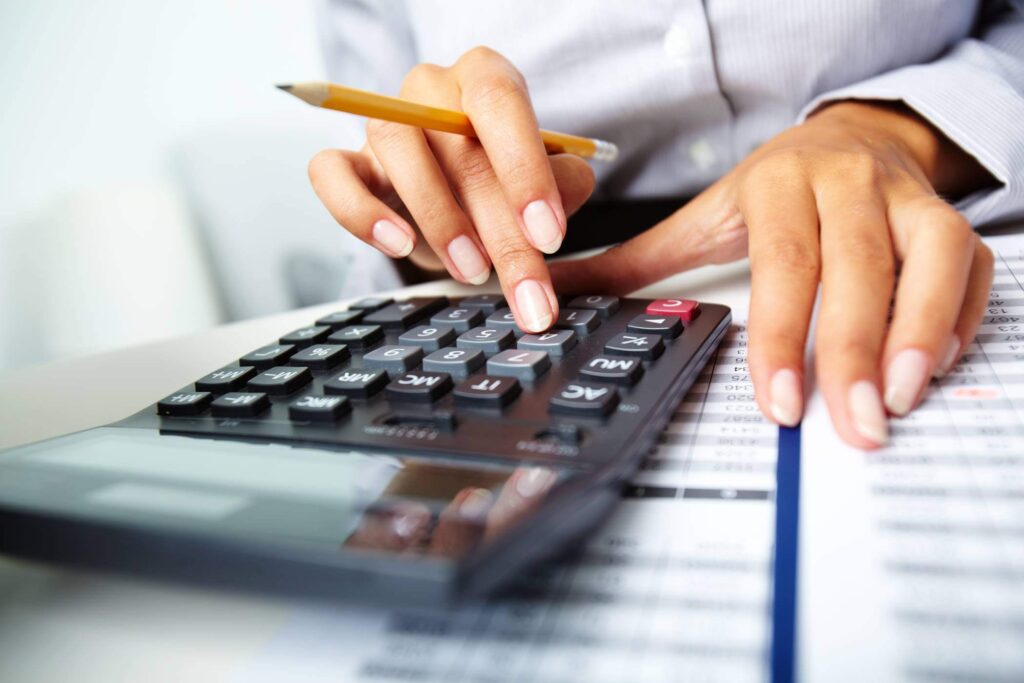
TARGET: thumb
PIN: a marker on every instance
(708, 229)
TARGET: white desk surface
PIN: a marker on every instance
(66, 625)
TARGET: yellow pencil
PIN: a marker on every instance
(372, 105)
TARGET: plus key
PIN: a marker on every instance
(685, 309)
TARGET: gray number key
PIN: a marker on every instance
(555, 342)
(579, 320)
(429, 338)
(487, 339)
(504, 320)
(459, 319)
(604, 305)
(524, 365)
(456, 362)
(394, 358)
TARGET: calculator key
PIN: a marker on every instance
(318, 408)
(579, 320)
(321, 356)
(305, 336)
(488, 303)
(281, 380)
(523, 365)
(267, 356)
(404, 314)
(341, 319)
(487, 391)
(459, 319)
(419, 385)
(185, 403)
(394, 358)
(504, 320)
(371, 303)
(456, 362)
(555, 342)
(240, 404)
(225, 380)
(486, 339)
(611, 369)
(686, 309)
(357, 383)
(666, 325)
(429, 337)
(605, 306)
(647, 346)
(358, 337)
(582, 398)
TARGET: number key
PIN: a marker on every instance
(429, 338)
(524, 365)
(486, 339)
(579, 320)
(394, 358)
(459, 319)
(456, 362)
(604, 305)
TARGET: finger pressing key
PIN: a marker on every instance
(495, 98)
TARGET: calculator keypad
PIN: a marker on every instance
(455, 373)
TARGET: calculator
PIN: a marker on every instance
(422, 451)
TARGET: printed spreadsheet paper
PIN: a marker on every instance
(912, 557)
(676, 587)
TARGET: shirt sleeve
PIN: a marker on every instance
(974, 94)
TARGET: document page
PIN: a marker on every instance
(676, 587)
(912, 557)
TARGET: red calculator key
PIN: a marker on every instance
(685, 309)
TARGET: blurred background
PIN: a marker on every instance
(153, 181)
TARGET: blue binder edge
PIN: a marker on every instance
(787, 528)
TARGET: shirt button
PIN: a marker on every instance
(677, 42)
(702, 154)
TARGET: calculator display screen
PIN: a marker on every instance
(344, 500)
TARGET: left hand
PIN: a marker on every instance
(849, 198)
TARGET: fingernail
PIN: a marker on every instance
(533, 481)
(786, 397)
(867, 412)
(949, 357)
(904, 379)
(532, 306)
(394, 240)
(476, 504)
(407, 522)
(542, 226)
(468, 259)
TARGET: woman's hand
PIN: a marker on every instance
(850, 199)
(499, 199)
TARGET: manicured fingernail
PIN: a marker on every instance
(904, 379)
(468, 259)
(949, 357)
(867, 412)
(476, 504)
(408, 522)
(786, 396)
(394, 240)
(534, 481)
(532, 306)
(542, 226)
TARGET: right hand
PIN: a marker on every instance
(498, 199)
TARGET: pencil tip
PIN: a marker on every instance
(286, 88)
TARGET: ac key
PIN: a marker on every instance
(582, 398)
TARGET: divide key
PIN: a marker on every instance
(670, 326)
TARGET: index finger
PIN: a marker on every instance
(495, 98)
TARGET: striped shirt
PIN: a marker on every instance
(687, 88)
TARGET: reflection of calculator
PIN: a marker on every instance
(418, 450)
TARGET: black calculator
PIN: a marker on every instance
(423, 451)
